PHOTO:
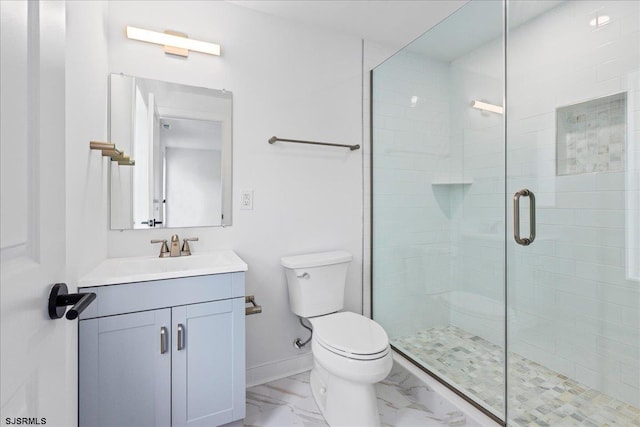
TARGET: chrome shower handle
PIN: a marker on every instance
(532, 217)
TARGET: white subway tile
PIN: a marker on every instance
(625, 351)
(584, 182)
(600, 218)
(601, 273)
(591, 200)
(628, 297)
(630, 374)
(630, 316)
(612, 181)
(594, 254)
(556, 216)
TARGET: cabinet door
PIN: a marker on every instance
(125, 371)
(208, 363)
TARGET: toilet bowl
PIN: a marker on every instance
(350, 352)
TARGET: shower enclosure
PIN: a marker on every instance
(506, 208)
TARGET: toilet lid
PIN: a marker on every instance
(350, 333)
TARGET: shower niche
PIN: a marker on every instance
(591, 136)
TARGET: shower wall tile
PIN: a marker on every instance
(410, 148)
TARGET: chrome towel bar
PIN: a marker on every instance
(299, 141)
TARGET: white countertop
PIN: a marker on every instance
(140, 269)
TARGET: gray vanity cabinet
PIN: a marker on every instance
(205, 371)
(176, 357)
(124, 378)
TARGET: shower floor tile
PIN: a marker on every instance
(539, 396)
(403, 401)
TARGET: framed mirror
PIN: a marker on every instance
(180, 138)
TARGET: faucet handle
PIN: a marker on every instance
(186, 250)
(164, 249)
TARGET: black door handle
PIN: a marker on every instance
(59, 299)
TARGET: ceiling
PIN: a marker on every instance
(397, 23)
(391, 23)
(474, 25)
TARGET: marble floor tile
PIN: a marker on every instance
(538, 396)
(403, 401)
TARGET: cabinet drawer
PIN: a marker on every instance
(140, 296)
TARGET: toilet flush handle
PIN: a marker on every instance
(304, 275)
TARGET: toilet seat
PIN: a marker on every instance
(350, 335)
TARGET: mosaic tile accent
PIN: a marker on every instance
(538, 395)
(403, 401)
(591, 136)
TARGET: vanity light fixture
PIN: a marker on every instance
(174, 43)
(600, 21)
(487, 107)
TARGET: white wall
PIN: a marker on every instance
(86, 120)
(290, 80)
(287, 80)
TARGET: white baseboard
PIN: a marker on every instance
(261, 374)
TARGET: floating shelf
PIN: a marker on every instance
(109, 150)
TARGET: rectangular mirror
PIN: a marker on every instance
(180, 138)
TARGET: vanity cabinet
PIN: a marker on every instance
(164, 353)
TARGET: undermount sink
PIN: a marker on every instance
(139, 269)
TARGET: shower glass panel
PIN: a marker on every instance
(573, 139)
(438, 205)
(453, 271)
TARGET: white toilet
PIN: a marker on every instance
(351, 352)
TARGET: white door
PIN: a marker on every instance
(38, 355)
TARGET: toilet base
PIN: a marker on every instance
(344, 403)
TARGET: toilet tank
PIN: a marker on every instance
(316, 282)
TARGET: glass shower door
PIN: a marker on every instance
(573, 147)
(438, 207)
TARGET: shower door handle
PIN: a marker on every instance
(532, 217)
